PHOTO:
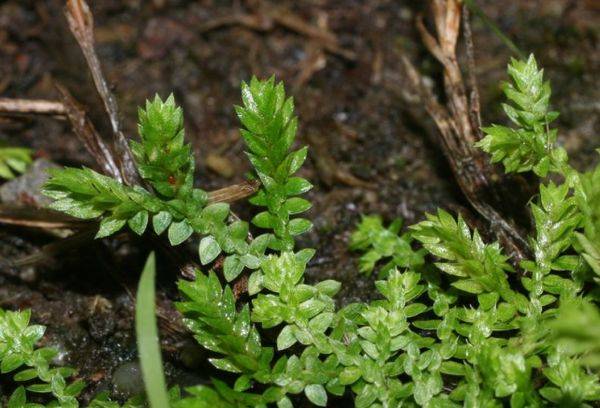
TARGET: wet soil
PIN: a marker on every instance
(371, 151)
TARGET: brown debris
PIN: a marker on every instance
(160, 35)
(81, 23)
(85, 130)
(458, 122)
(266, 18)
(220, 165)
(31, 106)
(315, 59)
(38, 218)
(313, 62)
(330, 171)
(234, 193)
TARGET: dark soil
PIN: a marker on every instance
(371, 152)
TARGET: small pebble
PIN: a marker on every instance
(127, 380)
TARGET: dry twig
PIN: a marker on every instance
(458, 122)
(31, 106)
(85, 130)
(234, 192)
(81, 23)
(38, 218)
(473, 91)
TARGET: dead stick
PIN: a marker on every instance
(466, 168)
(234, 193)
(81, 24)
(31, 106)
(38, 218)
(87, 133)
(474, 99)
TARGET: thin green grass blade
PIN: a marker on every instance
(147, 338)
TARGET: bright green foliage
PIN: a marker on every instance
(162, 157)
(376, 349)
(306, 311)
(210, 313)
(103, 400)
(556, 218)
(570, 384)
(506, 373)
(361, 346)
(231, 239)
(380, 244)
(529, 145)
(147, 338)
(587, 194)
(590, 251)
(83, 193)
(382, 347)
(220, 395)
(269, 131)
(464, 330)
(479, 267)
(19, 355)
(552, 355)
(577, 330)
(29, 364)
(13, 160)
(572, 369)
(167, 164)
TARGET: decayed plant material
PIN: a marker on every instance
(454, 324)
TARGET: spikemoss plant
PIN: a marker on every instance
(13, 160)
(455, 324)
(32, 366)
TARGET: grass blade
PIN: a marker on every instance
(147, 338)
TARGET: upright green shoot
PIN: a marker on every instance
(457, 322)
(269, 131)
(13, 160)
(147, 338)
